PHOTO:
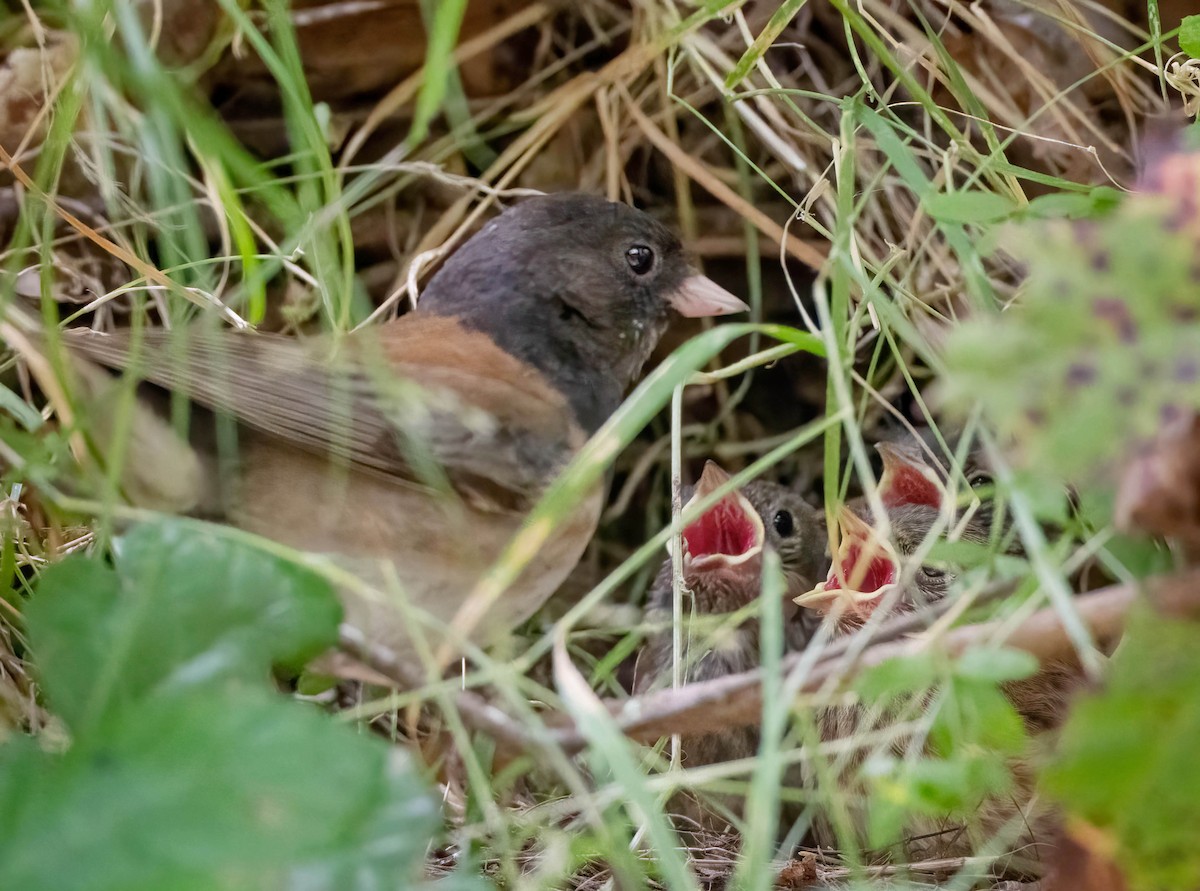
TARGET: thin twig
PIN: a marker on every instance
(710, 706)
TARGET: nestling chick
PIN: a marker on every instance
(872, 571)
(722, 568)
(872, 568)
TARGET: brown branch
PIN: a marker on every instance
(736, 700)
(477, 713)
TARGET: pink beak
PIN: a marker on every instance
(698, 296)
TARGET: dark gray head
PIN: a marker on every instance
(578, 287)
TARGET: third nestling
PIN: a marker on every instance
(923, 500)
(878, 567)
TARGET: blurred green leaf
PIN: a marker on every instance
(1189, 35)
(968, 207)
(183, 771)
(1142, 557)
(996, 665)
(1102, 347)
(936, 787)
(961, 554)
(442, 26)
(975, 715)
(1073, 205)
(224, 789)
(22, 411)
(1044, 494)
(1127, 757)
(898, 677)
(182, 607)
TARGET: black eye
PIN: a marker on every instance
(979, 480)
(932, 573)
(641, 259)
(783, 523)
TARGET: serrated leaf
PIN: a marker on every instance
(968, 207)
(182, 607)
(227, 789)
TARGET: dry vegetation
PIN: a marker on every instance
(795, 146)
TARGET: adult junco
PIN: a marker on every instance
(722, 568)
(410, 452)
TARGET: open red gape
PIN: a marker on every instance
(906, 484)
(864, 571)
(725, 529)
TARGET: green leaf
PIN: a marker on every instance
(961, 554)
(927, 785)
(942, 786)
(898, 677)
(442, 32)
(183, 607)
(1189, 35)
(227, 789)
(976, 715)
(996, 665)
(1100, 348)
(21, 410)
(1074, 205)
(1127, 757)
(968, 207)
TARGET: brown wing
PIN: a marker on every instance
(413, 399)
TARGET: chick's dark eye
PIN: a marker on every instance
(933, 573)
(979, 480)
(784, 523)
(640, 258)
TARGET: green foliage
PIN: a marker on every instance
(973, 731)
(442, 22)
(181, 609)
(968, 207)
(764, 41)
(1102, 347)
(1127, 760)
(1189, 35)
(183, 771)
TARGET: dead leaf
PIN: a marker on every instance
(1159, 492)
(1082, 861)
(798, 874)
